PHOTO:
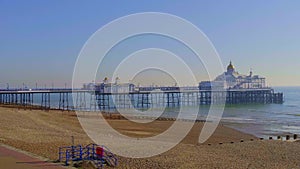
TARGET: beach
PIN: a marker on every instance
(43, 132)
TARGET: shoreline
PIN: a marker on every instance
(109, 115)
(35, 119)
(115, 115)
(43, 132)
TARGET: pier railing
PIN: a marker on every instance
(89, 100)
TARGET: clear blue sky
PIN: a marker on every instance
(40, 40)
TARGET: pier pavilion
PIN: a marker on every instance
(239, 89)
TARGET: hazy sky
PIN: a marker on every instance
(40, 40)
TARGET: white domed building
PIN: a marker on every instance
(231, 79)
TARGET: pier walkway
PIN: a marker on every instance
(90, 100)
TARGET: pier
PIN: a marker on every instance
(90, 100)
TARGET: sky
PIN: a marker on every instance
(40, 40)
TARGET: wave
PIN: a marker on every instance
(237, 119)
(292, 106)
(297, 115)
(259, 111)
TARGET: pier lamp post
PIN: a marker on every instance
(7, 86)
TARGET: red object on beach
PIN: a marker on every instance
(99, 151)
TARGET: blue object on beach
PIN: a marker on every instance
(99, 155)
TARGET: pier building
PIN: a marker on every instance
(239, 89)
(231, 79)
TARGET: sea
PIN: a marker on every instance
(261, 120)
(267, 120)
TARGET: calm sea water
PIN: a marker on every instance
(260, 120)
(267, 120)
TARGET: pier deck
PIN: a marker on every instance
(95, 100)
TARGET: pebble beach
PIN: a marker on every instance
(43, 132)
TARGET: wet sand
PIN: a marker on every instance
(42, 132)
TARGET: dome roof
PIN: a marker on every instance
(230, 66)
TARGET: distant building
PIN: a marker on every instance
(231, 79)
(106, 87)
